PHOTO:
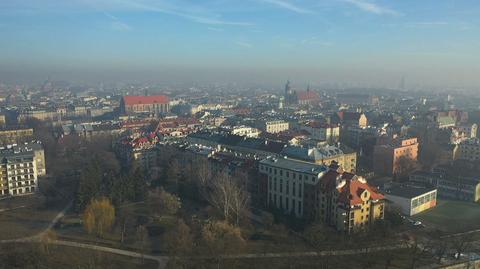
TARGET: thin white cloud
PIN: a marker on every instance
(428, 23)
(316, 41)
(116, 24)
(120, 26)
(210, 20)
(288, 6)
(372, 7)
(215, 29)
(244, 44)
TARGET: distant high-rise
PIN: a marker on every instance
(288, 93)
(402, 83)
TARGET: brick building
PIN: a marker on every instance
(144, 104)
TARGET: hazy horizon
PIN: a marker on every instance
(358, 42)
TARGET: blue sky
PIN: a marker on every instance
(430, 41)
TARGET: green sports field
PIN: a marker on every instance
(452, 216)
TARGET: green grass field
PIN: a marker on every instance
(32, 256)
(452, 216)
(25, 216)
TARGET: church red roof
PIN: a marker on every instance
(135, 100)
(307, 95)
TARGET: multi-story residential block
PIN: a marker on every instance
(20, 167)
(468, 149)
(318, 192)
(3, 120)
(463, 132)
(411, 199)
(326, 154)
(353, 118)
(144, 104)
(273, 127)
(322, 132)
(177, 127)
(449, 185)
(242, 131)
(255, 148)
(15, 135)
(89, 130)
(391, 156)
(39, 114)
(139, 150)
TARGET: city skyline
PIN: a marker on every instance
(372, 43)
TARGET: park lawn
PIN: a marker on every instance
(28, 216)
(452, 216)
(36, 256)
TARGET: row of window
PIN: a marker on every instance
(295, 191)
(294, 175)
(21, 191)
(286, 204)
(424, 199)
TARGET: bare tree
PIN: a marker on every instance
(440, 250)
(202, 175)
(461, 244)
(228, 197)
(142, 236)
(173, 173)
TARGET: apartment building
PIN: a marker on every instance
(390, 156)
(19, 169)
(326, 154)
(241, 130)
(15, 135)
(318, 192)
(3, 119)
(468, 149)
(138, 150)
(273, 127)
(353, 118)
(322, 131)
(449, 185)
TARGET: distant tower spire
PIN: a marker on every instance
(308, 87)
(402, 83)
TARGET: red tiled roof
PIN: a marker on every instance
(135, 100)
(351, 192)
(307, 95)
